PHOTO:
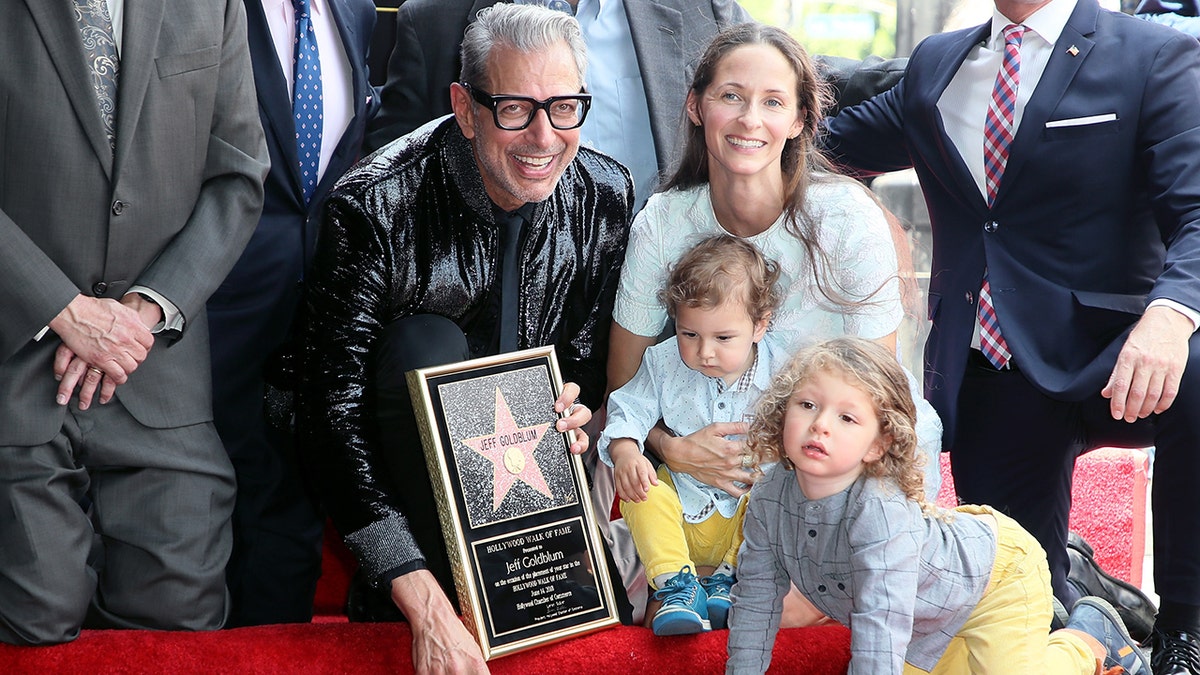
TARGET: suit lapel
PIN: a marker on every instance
(1060, 71)
(657, 31)
(62, 39)
(944, 72)
(139, 46)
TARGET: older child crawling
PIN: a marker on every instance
(844, 518)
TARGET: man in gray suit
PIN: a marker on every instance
(130, 179)
(643, 53)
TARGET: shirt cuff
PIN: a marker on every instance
(1190, 313)
(384, 581)
(385, 546)
(172, 319)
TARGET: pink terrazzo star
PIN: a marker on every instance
(510, 450)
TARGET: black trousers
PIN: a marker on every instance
(1015, 449)
(277, 523)
(414, 342)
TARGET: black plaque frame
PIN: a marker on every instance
(513, 501)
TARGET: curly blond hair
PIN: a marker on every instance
(875, 371)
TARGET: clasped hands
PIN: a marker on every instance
(103, 342)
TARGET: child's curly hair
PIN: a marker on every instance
(875, 371)
(719, 269)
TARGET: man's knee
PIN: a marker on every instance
(44, 616)
(419, 341)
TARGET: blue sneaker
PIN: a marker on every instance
(684, 608)
(1097, 618)
(717, 586)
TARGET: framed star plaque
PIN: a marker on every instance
(513, 501)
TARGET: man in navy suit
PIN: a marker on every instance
(276, 559)
(1091, 247)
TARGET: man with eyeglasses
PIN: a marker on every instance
(482, 232)
(642, 54)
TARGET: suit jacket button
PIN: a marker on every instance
(118, 207)
(98, 288)
(970, 298)
(991, 226)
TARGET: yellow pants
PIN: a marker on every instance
(1008, 631)
(665, 542)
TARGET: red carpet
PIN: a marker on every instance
(1110, 490)
(331, 648)
(1108, 507)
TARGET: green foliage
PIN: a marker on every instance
(834, 27)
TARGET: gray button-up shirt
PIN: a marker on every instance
(867, 557)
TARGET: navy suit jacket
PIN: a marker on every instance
(253, 309)
(284, 198)
(1091, 222)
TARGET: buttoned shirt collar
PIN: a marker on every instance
(748, 378)
(1047, 22)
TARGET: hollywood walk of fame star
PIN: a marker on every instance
(510, 450)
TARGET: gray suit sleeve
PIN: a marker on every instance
(196, 261)
(729, 12)
(34, 288)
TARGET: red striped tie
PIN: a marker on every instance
(997, 134)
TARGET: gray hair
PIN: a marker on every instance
(525, 28)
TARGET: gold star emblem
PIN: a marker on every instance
(510, 450)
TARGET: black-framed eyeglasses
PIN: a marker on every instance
(514, 113)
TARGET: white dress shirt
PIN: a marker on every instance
(337, 88)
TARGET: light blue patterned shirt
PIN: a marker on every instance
(619, 123)
(687, 401)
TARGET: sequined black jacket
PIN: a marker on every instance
(410, 230)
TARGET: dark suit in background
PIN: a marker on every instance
(277, 528)
(668, 37)
(1097, 215)
(119, 512)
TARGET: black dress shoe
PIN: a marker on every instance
(1136, 610)
(1077, 542)
(1174, 652)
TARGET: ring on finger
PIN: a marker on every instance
(571, 408)
(97, 371)
(747, 460)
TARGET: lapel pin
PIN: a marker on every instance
(1073, 50)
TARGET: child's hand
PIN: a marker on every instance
(633, 474)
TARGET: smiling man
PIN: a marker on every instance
(482, 232)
